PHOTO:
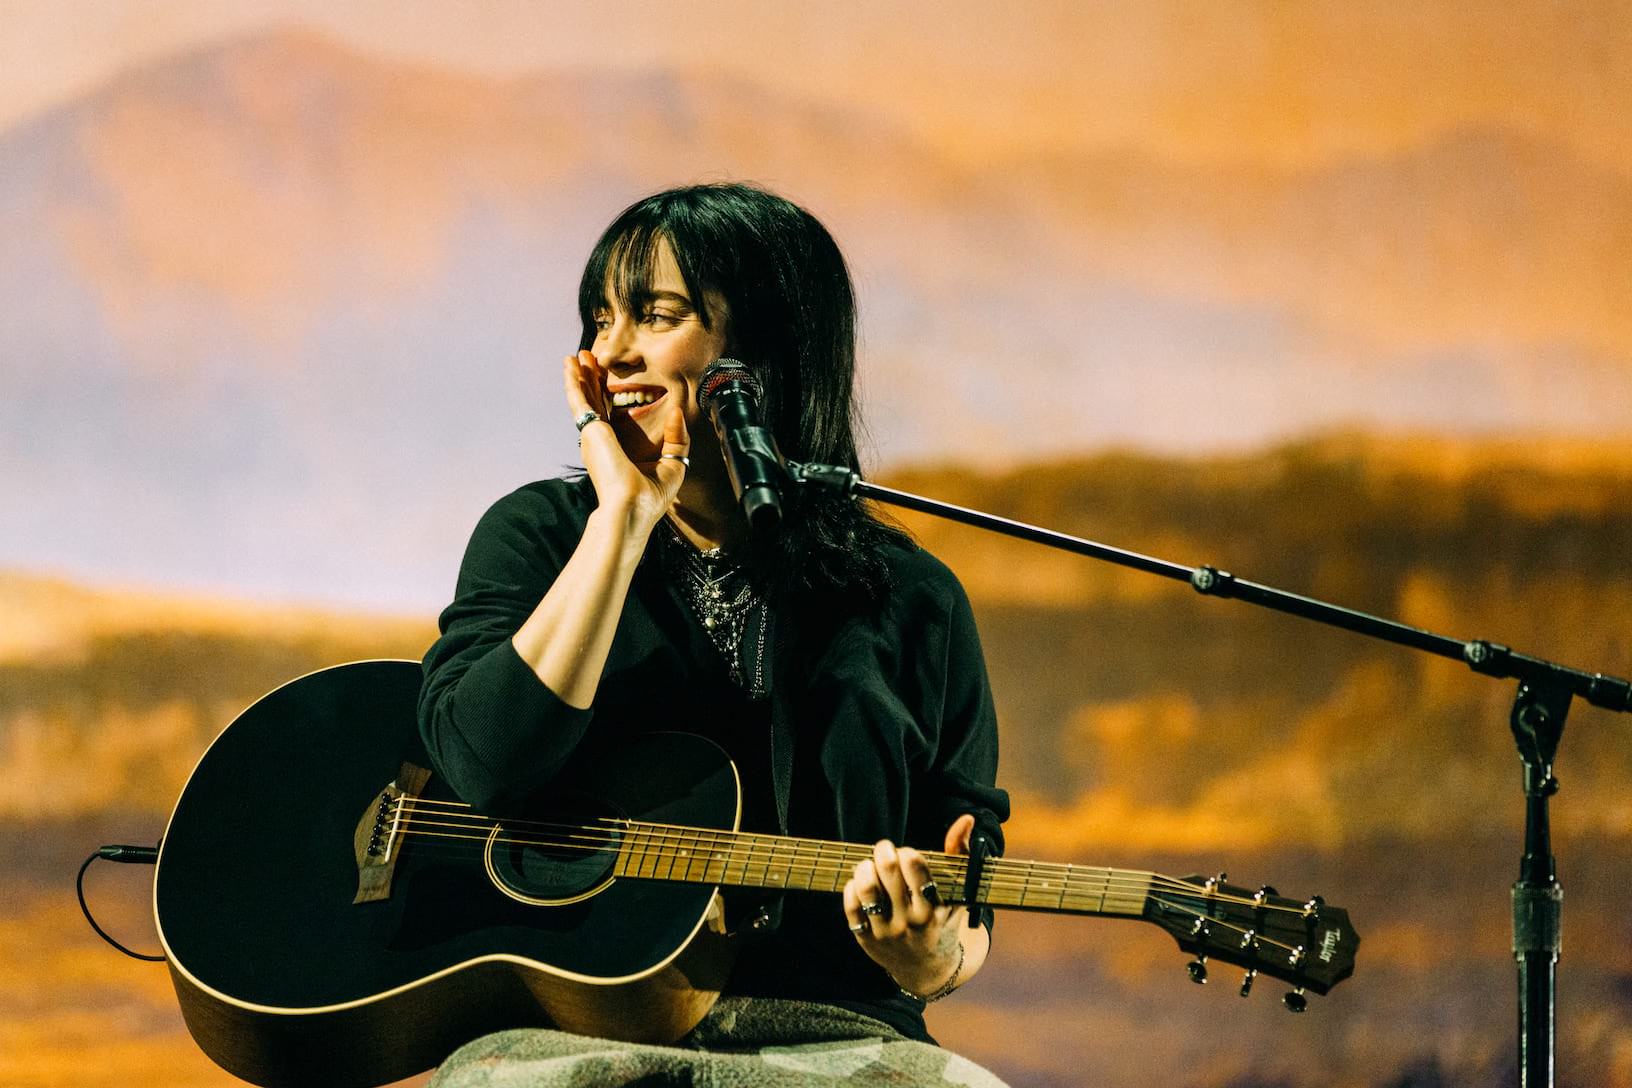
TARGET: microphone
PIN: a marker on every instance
(729, 393)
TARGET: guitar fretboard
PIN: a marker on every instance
(739, 859)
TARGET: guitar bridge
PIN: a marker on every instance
(375, 841)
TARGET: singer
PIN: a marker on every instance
(835, 661)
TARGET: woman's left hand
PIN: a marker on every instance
(898, 918)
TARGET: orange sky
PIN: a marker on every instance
(1253, 80)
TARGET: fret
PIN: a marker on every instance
(944, 870)
(756, 850)
(729, 845)
(1038, 887)
(703, 856)
(697, 857)
(629, 853)
(639, 843)
(620, 867)
(652, 856)
(841, 867)
(802, 870)
(718, 867)
(779, 863)
(1133, 889)
(776, 872)
(740, 855)
(734, 867)
(672, 855)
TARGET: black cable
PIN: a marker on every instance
(130, 855)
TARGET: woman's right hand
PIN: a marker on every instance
(640, 492)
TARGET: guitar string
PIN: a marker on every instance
(1003, 869)
(835, 874)
(735, 841)
(1004, 876)
(1085, 885)
(737, 856)
(1259, 939)
(773, 842)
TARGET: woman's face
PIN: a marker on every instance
(655, 357)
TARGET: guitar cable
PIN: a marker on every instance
(130, 855)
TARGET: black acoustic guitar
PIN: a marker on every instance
(333, 915)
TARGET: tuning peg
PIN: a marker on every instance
(1246, 981)
(1198, 970)
(1295, 1001)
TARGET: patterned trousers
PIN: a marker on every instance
(743, 1043)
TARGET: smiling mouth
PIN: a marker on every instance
(633, 400)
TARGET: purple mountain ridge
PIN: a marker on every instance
(281, 317)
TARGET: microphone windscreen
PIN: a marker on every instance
(721, 373)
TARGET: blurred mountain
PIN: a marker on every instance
(1142, 726)
(280, 315)
(108, 697)
(1479, 236)
(1135, 713)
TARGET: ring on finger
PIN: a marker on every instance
(586, 419)
(682, 458)
(858, 927)
(929, 892)
(873, 908)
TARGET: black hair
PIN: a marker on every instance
(792, 321)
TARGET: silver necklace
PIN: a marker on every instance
(720, 596)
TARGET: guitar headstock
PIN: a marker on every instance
(1307, 943)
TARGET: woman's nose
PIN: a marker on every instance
(616, 343)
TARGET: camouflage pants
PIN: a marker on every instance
(742, 1043)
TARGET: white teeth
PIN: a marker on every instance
(631, 399)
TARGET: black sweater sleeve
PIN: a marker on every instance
(492, 729)
(961, 776)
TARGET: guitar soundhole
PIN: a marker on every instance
(561, 857)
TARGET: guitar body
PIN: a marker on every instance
(285, 978)
(333, 916)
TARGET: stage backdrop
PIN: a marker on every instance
(1334, 296)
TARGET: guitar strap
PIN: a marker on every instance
(776, 650)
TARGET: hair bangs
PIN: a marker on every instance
(623, 265)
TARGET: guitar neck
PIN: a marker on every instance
(738, 859)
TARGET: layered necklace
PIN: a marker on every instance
(721, 597)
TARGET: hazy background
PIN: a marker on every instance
(1333, 295)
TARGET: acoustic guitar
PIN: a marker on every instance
(333, 915)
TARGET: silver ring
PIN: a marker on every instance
(587, 418)
(682, 458)
(858, 927)
(873, 908)
(929, 892)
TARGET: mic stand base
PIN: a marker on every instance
(1538, 898)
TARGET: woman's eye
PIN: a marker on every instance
(659, 317)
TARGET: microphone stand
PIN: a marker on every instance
(1545, 690)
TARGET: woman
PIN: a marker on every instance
(835, 662)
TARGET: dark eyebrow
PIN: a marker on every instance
(646, 299)
(668, 296)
